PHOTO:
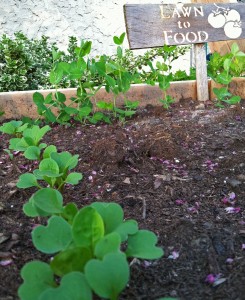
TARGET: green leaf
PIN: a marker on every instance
(116, 40)
(70, 260)
(142, 245)
(119, 52)
(37, 277)
(112, 215)
(49, 166)
(126, 228)
(234, 48)
(233, 100)
(69, 212)
(48, 98)
(27, 180)
(108, 244)
(122, 36)
(227, 64)
(221, 93)
(18, 144)
(240, 54)
(54, 237)
(48, 200)
(50, 149)
(35, 134)
(55, 54)
(84, 111)
(73, 178)
(32, 153)
(224, 78)
(30, 210)
(10, 127)
(108, 277)
(65, 160)
(85, 48)
(73, 286)
(119, 40)
(104, 105)
(55, 76)
(111, 81)
(70, 110)
(38, 99)
(60, 97)
(98, 116)
(87, 228)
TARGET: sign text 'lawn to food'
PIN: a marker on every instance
(153, 25)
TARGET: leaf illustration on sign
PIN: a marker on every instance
(228, 18)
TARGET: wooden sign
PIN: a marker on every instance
(153, 25)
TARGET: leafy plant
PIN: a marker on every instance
(87, 245)
(30, 142)
(14, 128)
(222, 69)
(24, 63)
(54, 169)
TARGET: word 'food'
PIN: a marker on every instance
(181, 38)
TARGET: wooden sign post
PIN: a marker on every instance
(153, 25)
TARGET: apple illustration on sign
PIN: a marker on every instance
(228, 18)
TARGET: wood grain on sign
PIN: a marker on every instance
(222, 47)
(153, 25)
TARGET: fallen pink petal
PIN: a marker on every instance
(193, 209)
(174, 255)
(210, 278)
(180, 201)
(232, 210)
(6, 262)
(232, 196)
(229, 260)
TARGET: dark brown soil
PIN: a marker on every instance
(169, 170)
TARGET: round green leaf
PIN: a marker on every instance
(54, 237)
(142, 245)
(73, 178)
(27, 180)
(37, 277)
(32, 153)
(73, 286)
(50, 149)
(111, 213)
(49, 165)
(108, 277)
(108, 244)
(48, 200)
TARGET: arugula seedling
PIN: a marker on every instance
(13, 127)
(54, 169)
(88, 243)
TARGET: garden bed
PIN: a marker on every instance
(179, 173)
(19, 104)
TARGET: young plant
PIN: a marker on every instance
(54, 170)
(30, 142)
(14, 128)
(55, 107)
(222, 69)
(118, 81)
(86, 246)
(159, 75)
